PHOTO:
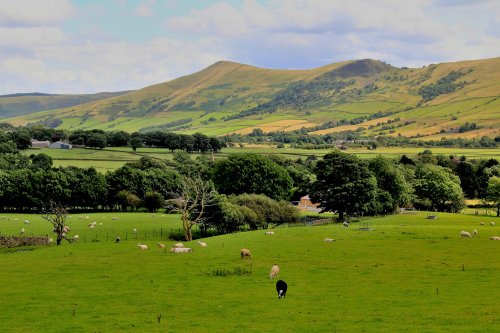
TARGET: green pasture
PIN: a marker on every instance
(112, 158)
(405, 273)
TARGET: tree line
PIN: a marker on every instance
(13, 139)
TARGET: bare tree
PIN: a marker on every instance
(57, 215)
(194, 197)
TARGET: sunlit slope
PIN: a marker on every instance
(229, 97)
(23, 104)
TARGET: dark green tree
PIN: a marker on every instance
(41, 161)
(344, 184)
(439, 188)
(493, 192)
(96, 140)
(252, 173)
(153, 201)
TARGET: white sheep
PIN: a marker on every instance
(91, 226)
(465, 234)
(245, 253)
(134, 230)
(87, 217)
(481, 223)
(495, 238)
(26, 222)
(161, 246)
(269, 232)
(345, 224)
(114, 218)
(202, 244)
(474, 232)
(142, 246)
(76, 238)
(329, 239)
(22, 231)
(51, 240)
(178, 245)
(492, 223)
(275, 270)
(181, 250)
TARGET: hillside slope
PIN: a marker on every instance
(22, 104)
(367, 96)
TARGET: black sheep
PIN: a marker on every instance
(281, 287)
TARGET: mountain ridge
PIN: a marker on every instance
(229, 97)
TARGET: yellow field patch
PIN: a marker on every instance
(279, 125)
(366, 124)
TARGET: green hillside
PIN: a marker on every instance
(26, 103)
(369, 96)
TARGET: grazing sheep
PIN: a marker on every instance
(117, 240)
(114, 218)
(269, 232)
(202, 244)
(281, 288)
(51, 240)
(245, 253)
(474, 232)
(22, 231)
(91, 227)
(329, 239)
(178, 245)
(481, 223)
(75, 238)
(26, 222)
(492, 223)
(161, 246)
(87, 217)
(142, 246)
(181, 250)
(495, 238)
(275, 270)
(345, 224)
(465, 234)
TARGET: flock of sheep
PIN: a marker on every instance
(281, 286)
(467, 234)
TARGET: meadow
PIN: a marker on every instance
(114, 157)
(404, 273)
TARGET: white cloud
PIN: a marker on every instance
(37, 54)
(340, 30)
(34, 12)
(143, 10)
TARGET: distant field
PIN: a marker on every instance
(112, 158)
(404, 274)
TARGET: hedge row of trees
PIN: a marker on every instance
(13, 139)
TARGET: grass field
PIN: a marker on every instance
(406, 274)
(112, 158)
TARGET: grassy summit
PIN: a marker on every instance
(365, 95)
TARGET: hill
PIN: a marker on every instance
(13, 105)
(368, 96)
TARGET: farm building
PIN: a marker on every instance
(39, 144)
(305, 203)
(60, 145)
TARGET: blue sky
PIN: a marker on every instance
(77, 46)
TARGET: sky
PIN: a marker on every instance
(87, 46)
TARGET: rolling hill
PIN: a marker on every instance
(367, 96)
(26, 103)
